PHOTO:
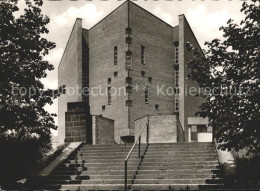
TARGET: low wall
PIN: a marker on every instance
(103, 130)
(162, 128)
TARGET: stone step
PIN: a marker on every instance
(162, 151)
(148, 156)
(159, 168)
(120, 187)
(90, 160)
(147, 159)
(178, 181)
(114, 167)
(213, 162)
(179, 171)
(87, 177)
(102, 163)
(177, 186)
(206, 175)
(109, 152)
(90, 181)
(124, 155)
(96, 172)
(154, 155)
(85, 187)
(151, 147)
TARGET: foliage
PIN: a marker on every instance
(22, 95)
(229, 76)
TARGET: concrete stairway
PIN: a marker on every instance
(94, 167)
(164, 167)
(179, 166)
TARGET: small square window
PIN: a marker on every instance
(128, 40)
(103, 107)
(109, 80)
(128, 31)
(157, 107)
(128, 80)
(150, 79)
(128, 102)
(115, 74)
(129, 89)
(143, 73)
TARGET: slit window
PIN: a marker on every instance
(115, 74)
(146, 94)
(109, 95)
(129, 60)
(103, 107)
(157, 107)
(142, 55)
(150, 79)
(143, 73)
(115, 55)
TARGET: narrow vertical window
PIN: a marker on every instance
(115, 74)
(115, 55)
(109, 95)
(177, 103)
(146, 94)
(129, 60)
(142, 55)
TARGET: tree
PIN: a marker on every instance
(229, 76)
(22, 94)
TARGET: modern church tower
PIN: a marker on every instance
(129, 68)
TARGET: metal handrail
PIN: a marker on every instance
(139, 148)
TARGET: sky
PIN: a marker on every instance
(204, 16)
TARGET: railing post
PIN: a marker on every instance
(125, 174)
(147, 134)
(139, 147)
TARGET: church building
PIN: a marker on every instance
(128, 70)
